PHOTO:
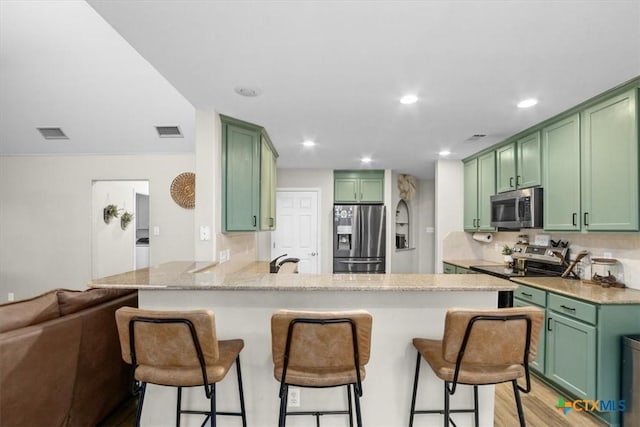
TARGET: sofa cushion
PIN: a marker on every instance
(74, 301)
(23, 313)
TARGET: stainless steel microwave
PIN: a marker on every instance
(517, 209)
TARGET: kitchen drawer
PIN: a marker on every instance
(531, 295)
(573, 308)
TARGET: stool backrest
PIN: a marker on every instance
(316, 345)
(491, 342)
(164, 338)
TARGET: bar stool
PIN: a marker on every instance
(178, 349)
(480, 347)
(320, 349)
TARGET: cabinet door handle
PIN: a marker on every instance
(475, 223)
(511, 181)
(255, 221)
(527, 295)
(355, 196)
(586, 218)
(271, 221)
(549, 324)
(574, 219)
(568, 308)
(517, 180)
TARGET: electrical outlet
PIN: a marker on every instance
(205, 232)
(222, 256)
(156, 230)
(11, 296)
(293, 398)
(228, 254)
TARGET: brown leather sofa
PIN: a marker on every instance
(60, 362)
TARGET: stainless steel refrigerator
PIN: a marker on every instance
(359, 238)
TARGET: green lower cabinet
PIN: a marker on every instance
(579, 353)
(448, 268)
(538, 364)
(571, 355)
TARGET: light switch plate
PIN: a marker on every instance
(205, 232)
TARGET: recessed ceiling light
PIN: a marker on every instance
(308, 143)
(366, 160)
(526, 103)
(444, 153)
(409, 99)
(247, 91)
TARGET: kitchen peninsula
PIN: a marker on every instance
(403, 306)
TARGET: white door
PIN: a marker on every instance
(296, 232)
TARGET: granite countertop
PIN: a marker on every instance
(255, 276)
(583, 290)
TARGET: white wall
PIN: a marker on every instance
(403, 260)
(449, 203)
(113, 249)
(46, 216)
(426, 226)
(314, 178)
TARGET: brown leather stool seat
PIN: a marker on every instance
(321, 349)
(178, 349)
(480, 347)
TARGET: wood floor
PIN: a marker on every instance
(539, 409)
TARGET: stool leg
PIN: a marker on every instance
(282, 419)
(516, 394)
(213, 405)
(358, 414)
(143, 388)
(415, 390)
(241, 392)
(178, 406)
(475, 405)
(350, 406)
(446, 404)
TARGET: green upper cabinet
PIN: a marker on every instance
(359, 186)
(248, 179)
(590, 168)
(267, 186)
(479, 186)
(561, 174)
(610, 164)
(529, 169)
(506, 168)
(518, 164)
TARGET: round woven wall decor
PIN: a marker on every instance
(183, 190)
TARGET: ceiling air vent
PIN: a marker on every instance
(476, 137)
(52, 133)
(169, 132)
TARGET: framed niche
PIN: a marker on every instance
(403, 225)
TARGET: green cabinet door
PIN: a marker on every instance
(486, 189)
(571, 355)
(240, 178)
(561, 175)
(538, 363)
(371, 190)
(528, 161)
(610, 165)
(470, 221)
(346, 190)
(267, 187)
(506, 168)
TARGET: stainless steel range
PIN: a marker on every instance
(529, 261)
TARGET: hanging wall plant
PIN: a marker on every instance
(125, 220)
(110, 211)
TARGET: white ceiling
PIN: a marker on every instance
(331, 71)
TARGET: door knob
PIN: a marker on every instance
(312, 254)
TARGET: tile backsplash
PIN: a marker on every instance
(625, 247)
